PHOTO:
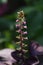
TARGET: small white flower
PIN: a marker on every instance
(17, 20)
(17, 25)
(25, 27)
(25, 32)
(24, 22)
(18, 31)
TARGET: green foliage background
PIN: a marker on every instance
(33, 10)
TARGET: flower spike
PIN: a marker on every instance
(21, 23)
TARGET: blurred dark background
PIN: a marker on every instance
(33, 10)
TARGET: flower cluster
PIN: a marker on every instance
(21, 28)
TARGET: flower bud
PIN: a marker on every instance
(17, 20)
(19, 48)
(18, 37)
(18, 31)
(25, 27)
(26, 38)
(24, 22)
(18, 42)
(25, 32)
(25, 50)
(17, 25)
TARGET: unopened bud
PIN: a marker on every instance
(18, 37)
(18, 42)
(26, 38)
